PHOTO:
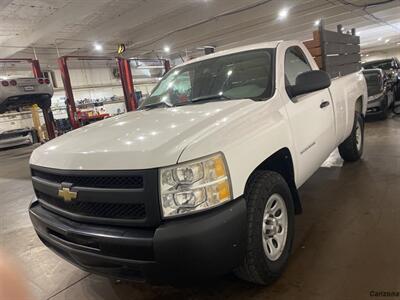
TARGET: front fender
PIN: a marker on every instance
(247, 138)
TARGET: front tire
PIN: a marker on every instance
(270, 221)
(352, 147)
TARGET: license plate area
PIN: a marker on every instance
(28, 88)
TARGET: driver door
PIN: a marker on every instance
(311, 118)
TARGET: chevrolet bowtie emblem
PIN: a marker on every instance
(66, 194)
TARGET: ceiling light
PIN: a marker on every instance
(380, 39)
(98, 47)
(366, 55)
(167, 49)
(283, 13)
(317, 22)
(387, 41)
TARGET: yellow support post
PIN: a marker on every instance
(36, 121)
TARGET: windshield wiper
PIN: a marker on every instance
(157, 104)
(210, 97)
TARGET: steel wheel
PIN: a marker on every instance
(274, 227)
(358, 136)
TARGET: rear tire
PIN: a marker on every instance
(352, 148)
(270, 221)
(44, 102)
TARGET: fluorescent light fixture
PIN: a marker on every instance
(387, 41)
(317, 22)
(98, 47)
(283, 13)
(167, 49)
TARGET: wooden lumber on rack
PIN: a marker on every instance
(335, 52)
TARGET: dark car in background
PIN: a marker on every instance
(380, 93)
(391, 67)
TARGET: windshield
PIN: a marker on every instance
(236, 76)
(380, 64)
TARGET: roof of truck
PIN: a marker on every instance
(273, 44)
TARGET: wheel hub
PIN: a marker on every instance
(272, 226)
(358, 136)
(274, 229)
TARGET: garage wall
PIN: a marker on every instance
(96, 83)
(394, 52)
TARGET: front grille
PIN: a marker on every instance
(374, 83)
(120, 182)
(104, 197)
(97, 209)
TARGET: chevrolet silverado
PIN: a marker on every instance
(203, 179)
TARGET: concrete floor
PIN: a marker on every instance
(346, 243)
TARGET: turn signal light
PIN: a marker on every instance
(5, 83)
(40, 80)
(13, 82)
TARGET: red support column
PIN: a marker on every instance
(125, 74)
(49, 121)
(71, 108)
(47, 113)
(37, 72)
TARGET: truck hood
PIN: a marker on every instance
(138, 140)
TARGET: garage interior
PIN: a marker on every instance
(345, 242)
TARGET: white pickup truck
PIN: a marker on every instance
(203, 179)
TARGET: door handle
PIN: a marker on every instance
(324, 104)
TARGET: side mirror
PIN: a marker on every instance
(310, 81)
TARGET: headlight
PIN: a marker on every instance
(194, 186)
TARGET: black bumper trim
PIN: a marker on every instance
(209, 244)
(375, 106)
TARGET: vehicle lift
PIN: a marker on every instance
(125, 72)
(37, 73)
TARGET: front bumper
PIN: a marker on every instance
(16, 138)
(195, 247)
(376, 106)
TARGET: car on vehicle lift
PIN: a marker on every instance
(203, 179)
(380, 93)
(15, 93)
(391, 67)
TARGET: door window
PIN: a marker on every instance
(295, 64)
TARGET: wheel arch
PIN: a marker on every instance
(281, 162)
(359, 106)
